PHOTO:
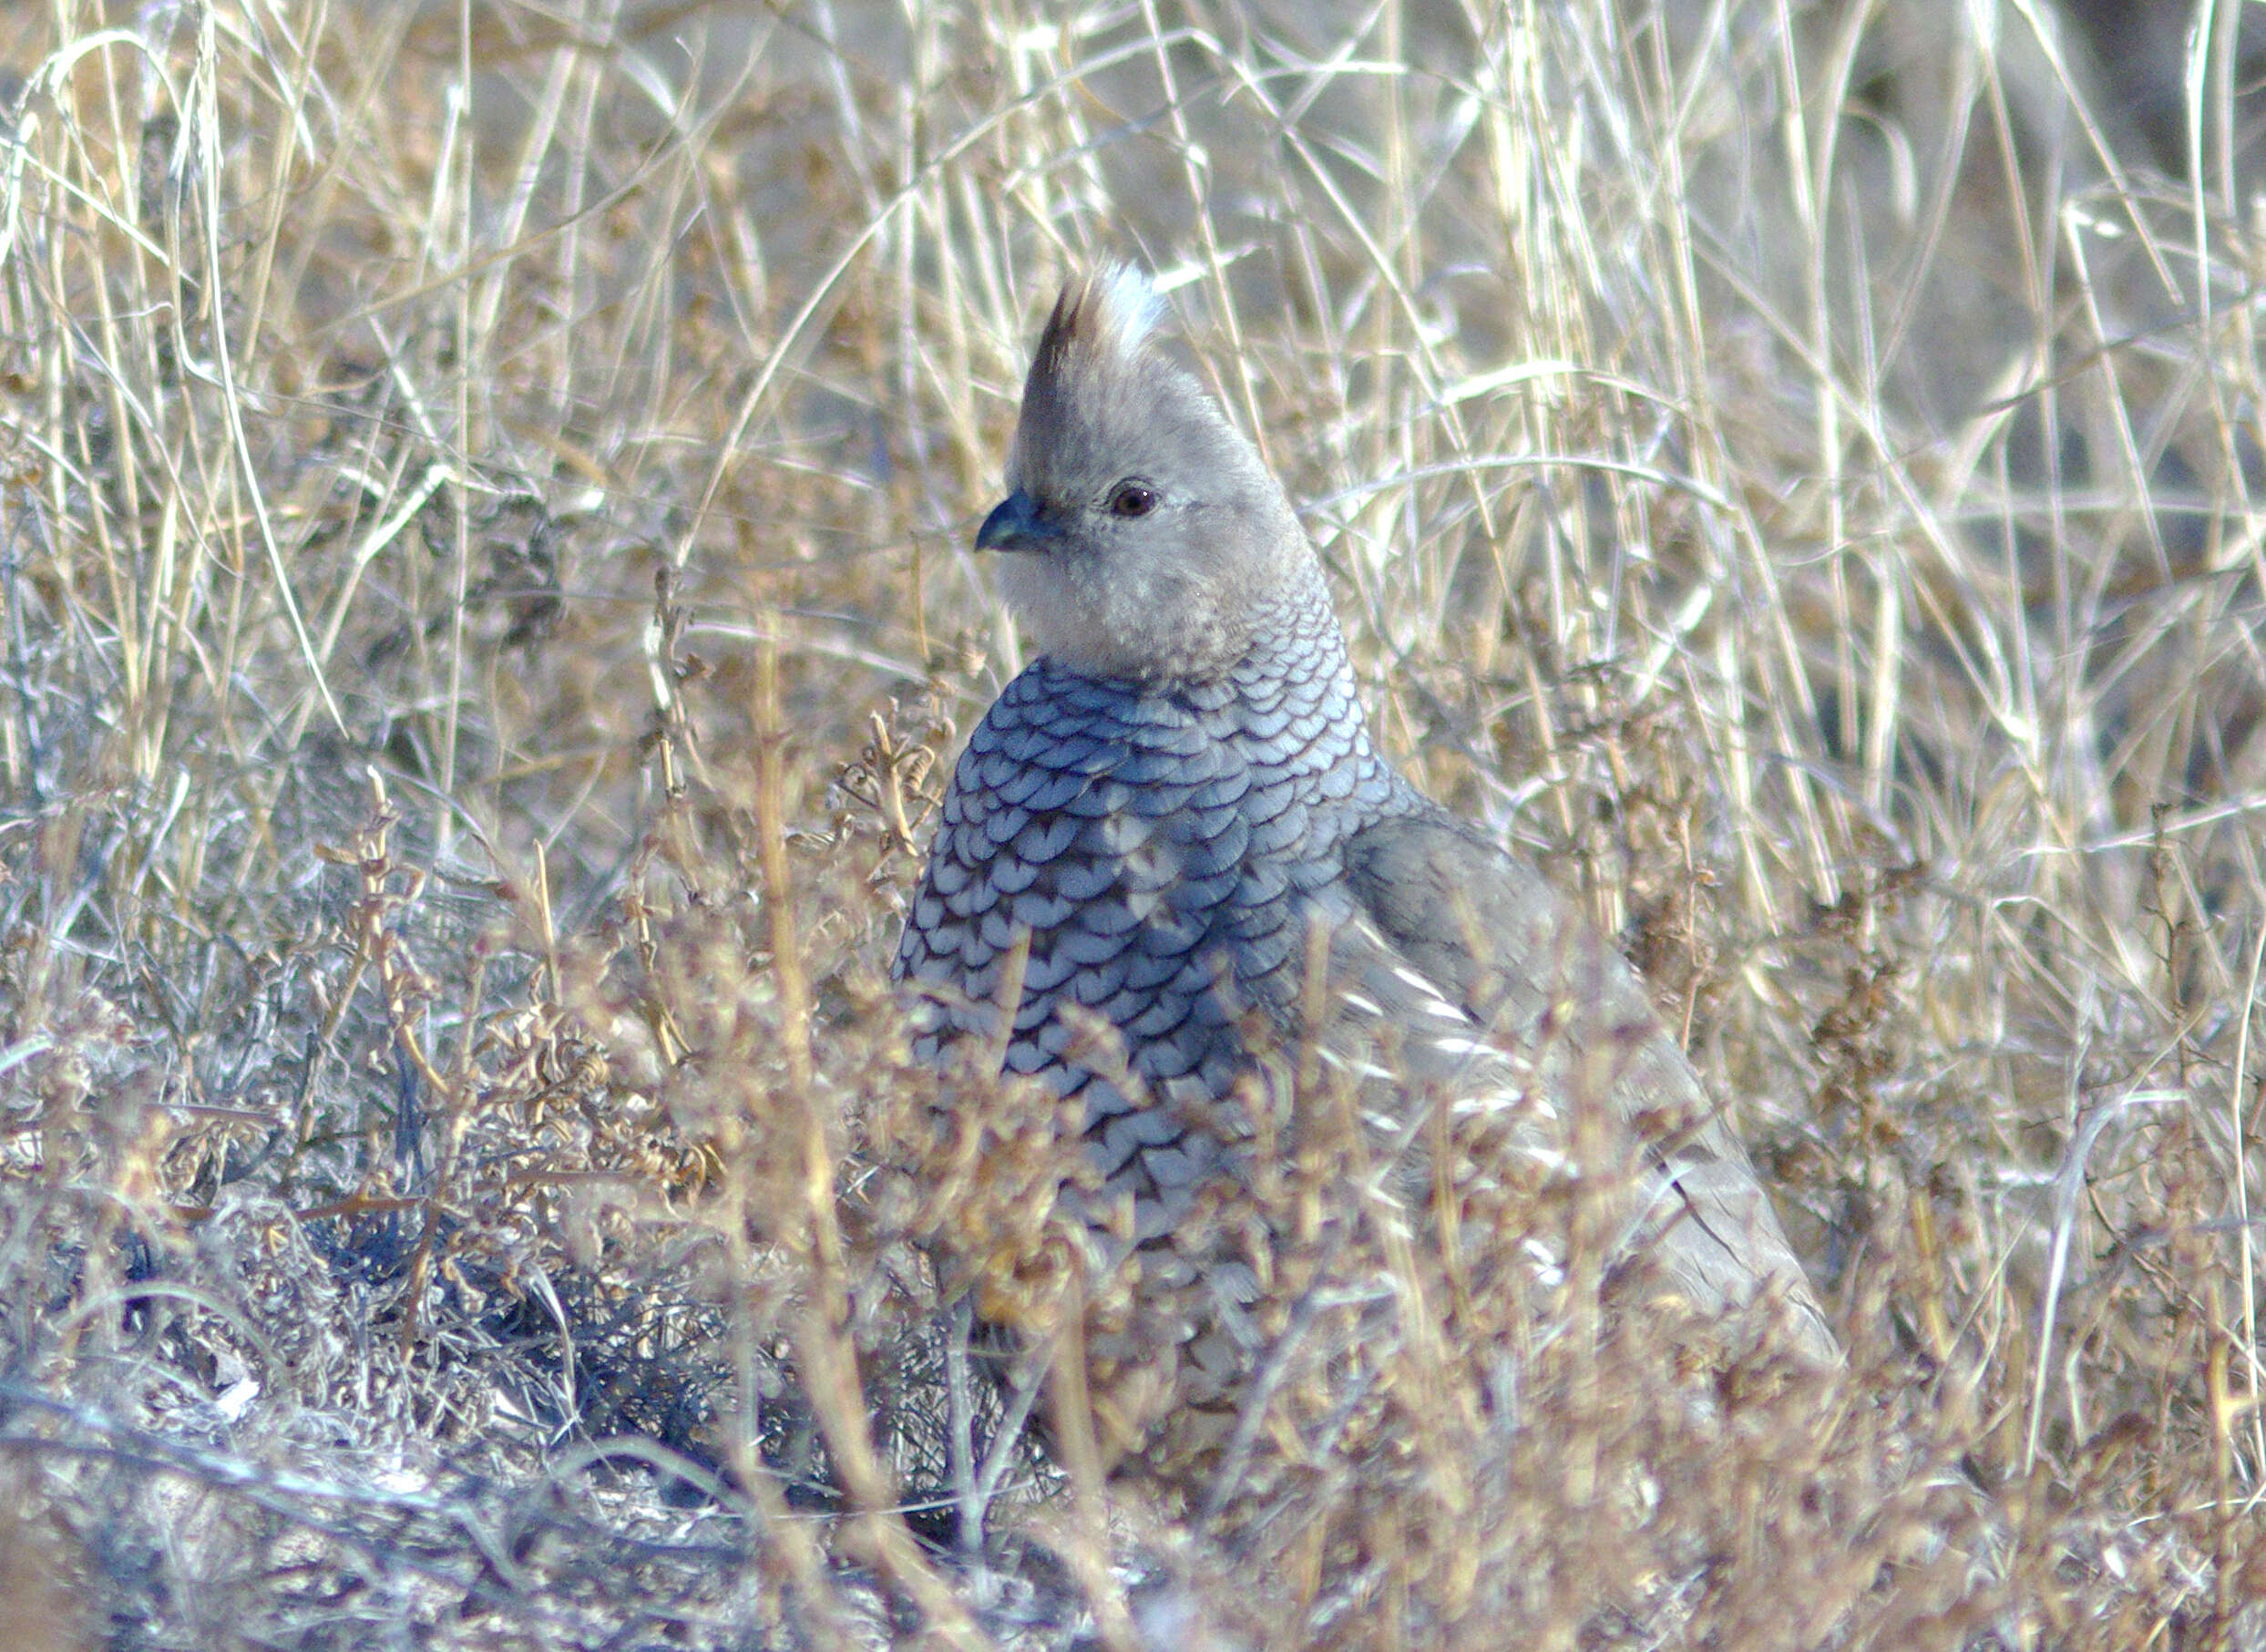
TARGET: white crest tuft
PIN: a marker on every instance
(1103, 317)
(1127, 307)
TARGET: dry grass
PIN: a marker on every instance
(486, 598)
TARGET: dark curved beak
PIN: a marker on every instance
(1015, 524)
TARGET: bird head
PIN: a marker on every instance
(1143, 539)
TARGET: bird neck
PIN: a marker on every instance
(1293, 664)
(1294, 636)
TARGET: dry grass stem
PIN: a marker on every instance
(487, 609)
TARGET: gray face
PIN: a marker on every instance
(1142, 534)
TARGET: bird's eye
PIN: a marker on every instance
(1131, 499)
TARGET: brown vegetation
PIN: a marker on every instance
(486, 598)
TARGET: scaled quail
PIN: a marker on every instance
(1179, 805)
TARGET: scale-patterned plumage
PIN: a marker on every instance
(1178, 808)
(1142, 840)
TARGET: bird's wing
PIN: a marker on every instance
(1439, 904)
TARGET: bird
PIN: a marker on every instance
(1176, 814)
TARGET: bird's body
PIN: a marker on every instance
(1165, 848)
(1176, 817)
